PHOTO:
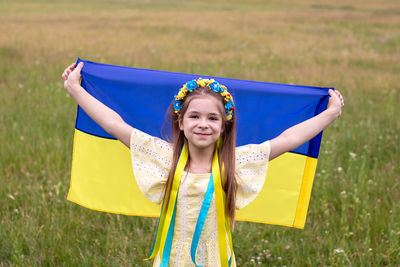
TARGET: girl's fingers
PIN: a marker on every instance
(340, 97)
(64, 75)
(67, 71)
(333, 93)
(80, 66)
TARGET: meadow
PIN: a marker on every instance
(354, 46)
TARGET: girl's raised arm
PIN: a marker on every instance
(107, 118)
(297, 135)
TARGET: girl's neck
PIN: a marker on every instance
(200, 159)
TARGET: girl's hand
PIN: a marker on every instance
(335, 103)
(72, 76)
(300, 133)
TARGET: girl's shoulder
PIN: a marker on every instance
(252, 152)
(140, 139)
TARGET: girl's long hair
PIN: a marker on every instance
(226, 153)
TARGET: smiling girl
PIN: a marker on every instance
(201, 177)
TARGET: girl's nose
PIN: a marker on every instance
(203, 123)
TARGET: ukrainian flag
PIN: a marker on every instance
(102, 177)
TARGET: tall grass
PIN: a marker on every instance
(354, 214)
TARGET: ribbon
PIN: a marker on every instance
(167, 213)
(165, 229)
(202, 218)
(168, 241)
(220, 207)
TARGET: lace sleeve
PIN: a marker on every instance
(251, 169)
(151, 160)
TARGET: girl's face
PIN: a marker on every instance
(202, 122)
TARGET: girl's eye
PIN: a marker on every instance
(193, 116)
(213, 118)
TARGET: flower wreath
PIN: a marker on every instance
(213, 85)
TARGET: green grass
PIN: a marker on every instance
(354, 46)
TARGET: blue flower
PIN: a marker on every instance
(215, 86)
(191, 85)
(229, 105)
(177, 105)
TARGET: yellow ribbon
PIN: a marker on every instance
(165, 219)
(221, 212)
(223, 221)
(227, 219)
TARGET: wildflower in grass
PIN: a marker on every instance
(353, 155)
(287, 247)
(11, 196)
(339, 169)
(338, 250)
(22, 138)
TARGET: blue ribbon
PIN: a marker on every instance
(201, 220)
(197, 232)
(168, 241)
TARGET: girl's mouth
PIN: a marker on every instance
(202, 134)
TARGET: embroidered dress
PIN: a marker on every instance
(151, 160)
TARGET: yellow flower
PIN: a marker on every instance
(202, 83)
(181, 95)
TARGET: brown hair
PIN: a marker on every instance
(226, 153)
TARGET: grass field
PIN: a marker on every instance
(354, 46)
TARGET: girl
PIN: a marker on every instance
(195, 222)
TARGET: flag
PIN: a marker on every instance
(101, 174)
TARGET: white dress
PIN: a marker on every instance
(151, 160)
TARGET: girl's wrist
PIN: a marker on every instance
(72, 89)
(332, 113)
